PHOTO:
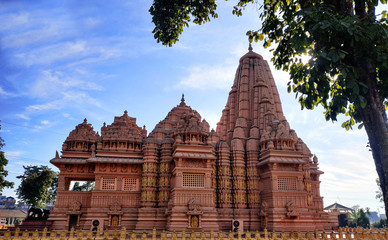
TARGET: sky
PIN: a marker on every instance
(63, 61)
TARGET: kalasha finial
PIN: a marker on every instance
(126, 113)
(183, 99)
(85, 120)
(250, 47)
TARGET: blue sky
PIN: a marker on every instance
(63, 61)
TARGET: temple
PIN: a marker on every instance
(252, 173)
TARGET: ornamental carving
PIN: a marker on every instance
(75, 206)
(292, 210)
(193, 164)
(115, 207)
(263, 208)
(194, 207)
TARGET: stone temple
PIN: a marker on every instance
(252, 172)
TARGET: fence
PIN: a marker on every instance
(358, 234)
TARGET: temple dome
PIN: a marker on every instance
(123, 128)
(251, 54)
(83, 132)
(181, 119)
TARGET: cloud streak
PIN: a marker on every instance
(205, 77)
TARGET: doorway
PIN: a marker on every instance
(73, 222)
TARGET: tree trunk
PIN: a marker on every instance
(376, 126)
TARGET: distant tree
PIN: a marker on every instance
(359, 217)
(85, 186)
(380, 224)
(343, 220)
(345, 42)
(3, 173)
(363, 220)
(38, 185)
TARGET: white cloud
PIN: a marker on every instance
(204, 77)
(4, 93)
(10, 21)
(23, 116)
(69, 99)
(45, 122)
(53, 83)
(58, 104)
(33, 36)
(11, 155)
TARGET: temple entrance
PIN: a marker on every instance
(73, 221)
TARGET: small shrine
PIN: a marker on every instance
(253, 172)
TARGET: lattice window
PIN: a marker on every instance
(108, 184)
(287, 183)
(130, 184)
(193, 180)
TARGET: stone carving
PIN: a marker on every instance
(115, 207)
(292, 210)
(74, 206)
(194, 207)
(264, 214)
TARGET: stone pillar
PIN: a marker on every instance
(239, 181)
(224, 186)
(165, 172)
(150, 168)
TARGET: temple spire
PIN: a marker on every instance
(182, 100)
(253, 102)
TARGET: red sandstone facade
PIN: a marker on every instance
(253, 169)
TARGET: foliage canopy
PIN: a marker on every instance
(38, 185)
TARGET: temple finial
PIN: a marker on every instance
(85, 120)
(183, 99)
(250, 47)
(126, 113)
(56, 154)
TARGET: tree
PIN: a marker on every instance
(3, 173)
(38, 185)
(346, 42)
(380, 224)
(359, 217)
(85, 186)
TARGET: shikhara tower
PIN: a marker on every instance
(253, 169)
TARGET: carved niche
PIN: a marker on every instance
(292, 211)
(194, 213)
